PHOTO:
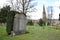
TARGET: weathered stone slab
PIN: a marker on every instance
(19, 24)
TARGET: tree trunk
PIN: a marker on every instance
(19, 24)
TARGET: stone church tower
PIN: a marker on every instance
(44, 15)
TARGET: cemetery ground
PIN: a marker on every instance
(34, 33)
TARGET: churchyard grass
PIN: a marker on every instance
(34, 33)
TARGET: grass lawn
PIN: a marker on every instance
(35, 33)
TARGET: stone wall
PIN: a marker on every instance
(54, 22)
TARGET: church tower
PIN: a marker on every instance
(44, 13)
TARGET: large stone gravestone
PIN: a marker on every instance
(19, 24)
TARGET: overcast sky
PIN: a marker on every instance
(39, 7)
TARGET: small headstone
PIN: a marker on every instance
(12, 33)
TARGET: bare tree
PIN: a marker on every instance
(23, 6)
(50, 14)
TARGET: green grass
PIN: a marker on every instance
(35, 33)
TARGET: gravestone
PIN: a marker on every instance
(19, 24)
